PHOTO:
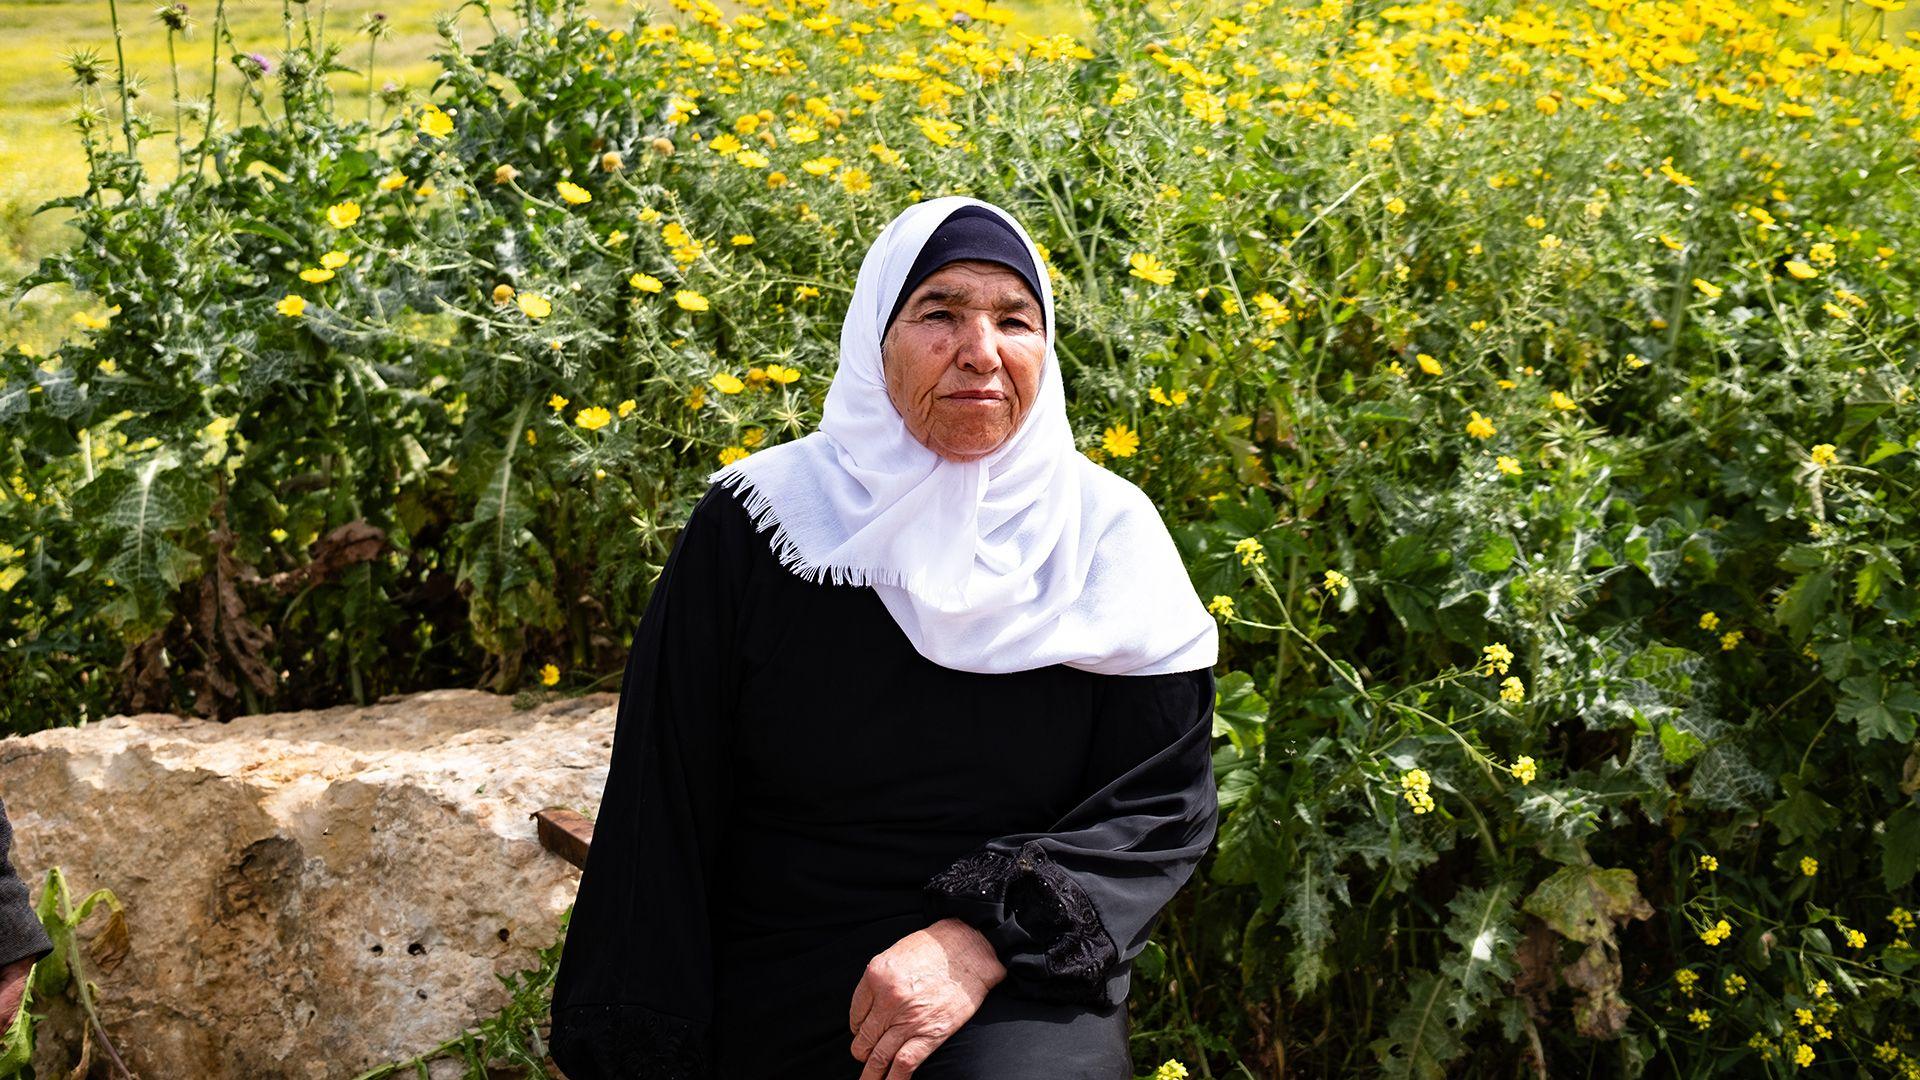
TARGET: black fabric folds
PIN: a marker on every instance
(634, 992)
(792, 789)
(1068, 909)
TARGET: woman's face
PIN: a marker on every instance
(963, 358)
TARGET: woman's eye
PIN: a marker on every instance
(1015, 324)
(936, 315)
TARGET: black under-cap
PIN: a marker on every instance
(970, 232)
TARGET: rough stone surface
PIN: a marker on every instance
(308, 894)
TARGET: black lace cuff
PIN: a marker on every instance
(1041, 923)
(616, 1042)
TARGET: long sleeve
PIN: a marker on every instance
(21, 935)
(634, 993)
(1068, 909)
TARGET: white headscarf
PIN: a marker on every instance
(1030, 556)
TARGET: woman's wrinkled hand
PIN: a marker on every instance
(917, 993)
(13, 987)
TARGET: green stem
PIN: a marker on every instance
(119, 50)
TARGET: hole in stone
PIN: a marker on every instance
(504, 934)
(378, 949)
(416, 949)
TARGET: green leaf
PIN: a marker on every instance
(1803, 603)
(1494, 556)
(1900, 847)
(1679, 746)
(1879, 708)
(1802, 815)
(1239, 711)
(1582, 903)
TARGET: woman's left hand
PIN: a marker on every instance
(917, 993)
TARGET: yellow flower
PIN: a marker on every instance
(742, 239)
(1120, 441)
(291, 305)
(502, 293)
(1512, 690)
(1170, 1069)
(628, 406)
(1855, 939)
(690, 300)
(1414, 786)
(1685, 979)
(1709, 621)
(1734, 983)
(1730, 639)
(1497, 657)
(556, 403)
(549, 675)
(726, 383)
(316, 274)
(1507, 464)
(95, 322)
(593, 419)
(1801, 270)
(1701, 1019)
(1396, 206)
(1250, 551)
(1428, 364)
(611, 162)
(724, 143)
(782, 374)
(1524, 769)
(434, 123)
(856, 181)
(393, 181)
(334, 260)
(532, 437)
(1823, 455)
(505, 174)
(1333, 581)
(534, 305)
(1809, 865)
(1709, 288)
(1803, 1055)
(1717, 933)
(820, 166)
(1222, 606)
(646, 282)
(1709, 863)
(731, 454)
(752, 159)
(343, 214)
(804, 292)
(1479, 426)
(1147, 267)
(573, 192)
(1561, 401)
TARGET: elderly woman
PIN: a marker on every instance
(914, 739)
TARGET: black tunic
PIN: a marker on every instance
(793, 789)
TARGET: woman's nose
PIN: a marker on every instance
(979, 345)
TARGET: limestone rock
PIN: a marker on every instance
(308, 894)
